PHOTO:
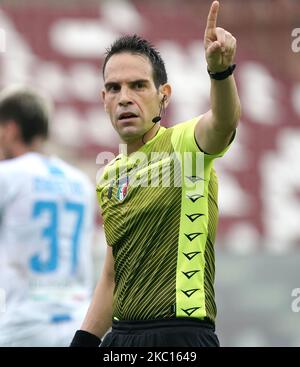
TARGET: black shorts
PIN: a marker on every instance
(162, 333)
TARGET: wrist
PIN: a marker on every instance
(83, 338)
(221, 75)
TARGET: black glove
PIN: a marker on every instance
(83, 338)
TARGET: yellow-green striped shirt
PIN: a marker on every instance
(159, 207)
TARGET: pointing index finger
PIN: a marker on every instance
(212, 17)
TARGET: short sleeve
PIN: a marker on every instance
(183, 139)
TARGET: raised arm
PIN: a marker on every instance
(215, 128)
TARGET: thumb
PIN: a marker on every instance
(215, 47)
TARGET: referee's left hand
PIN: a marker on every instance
(220, 45)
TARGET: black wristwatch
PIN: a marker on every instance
(83, 338)
(223, 74)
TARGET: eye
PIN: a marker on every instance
(113, 88)
(139, 85)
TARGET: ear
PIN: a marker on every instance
(165, 92)
(103, 99)
(13, 131)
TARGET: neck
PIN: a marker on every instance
(19, 149)
(133, 146)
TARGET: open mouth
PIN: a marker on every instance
(127, 115)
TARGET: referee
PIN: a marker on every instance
(157, 285)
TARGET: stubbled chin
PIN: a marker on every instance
(128, 132)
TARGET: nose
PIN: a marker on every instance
(125, 97)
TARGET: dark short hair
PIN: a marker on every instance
(27, 109)
(137, 45)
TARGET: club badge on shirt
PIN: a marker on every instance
(122, 188)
